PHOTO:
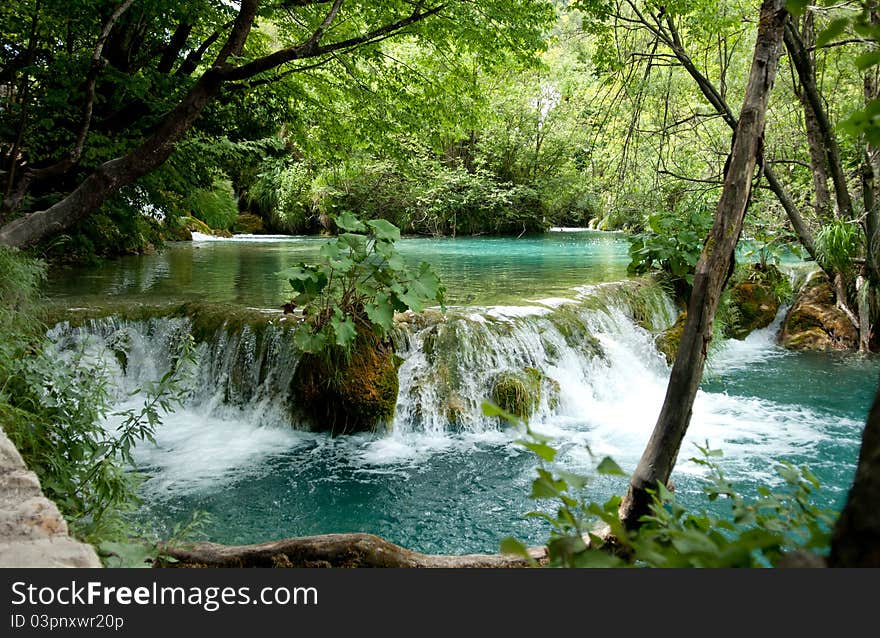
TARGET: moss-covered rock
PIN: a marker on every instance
(345, 394)
(667, 341)
(194, 225)
(248, 224)
(518, 392)
(815, 322)
(572, 326)
(753, 305)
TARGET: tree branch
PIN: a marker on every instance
(312, 48)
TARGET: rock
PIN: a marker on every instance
(815, 322)
(349, 394)
(667, 341)
(194, 225)
(32, 531)
(518, 392)
(754, 306)
(248, 224)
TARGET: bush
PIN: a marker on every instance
(457, 202)
(671, 244)
(216, 206)
(53, 403)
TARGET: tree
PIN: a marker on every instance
(260, 43)
(712, 272)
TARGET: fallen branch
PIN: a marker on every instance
(333, 550)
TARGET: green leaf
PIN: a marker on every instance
(832, 31)
(347, 221)
(510, 545)
(380, 312)
(491, 410)
(307, 341)
(541, 449)
(343, 328)
(384, 230)
(866, 60)
(610, 467)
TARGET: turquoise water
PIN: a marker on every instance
(455, 490)
(474, 270)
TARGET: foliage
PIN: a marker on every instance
(837, 243)
(143, 553)
(458, 202)
(756, 533)
(216, 206)
(672, 243)
(357, 287)
(57, 422)
(53, 407)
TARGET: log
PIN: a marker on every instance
(333, 550)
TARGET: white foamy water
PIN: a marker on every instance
(602, 385)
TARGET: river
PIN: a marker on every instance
(431, 484)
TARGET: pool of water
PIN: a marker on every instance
(249, 270)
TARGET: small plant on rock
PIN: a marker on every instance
(347, 379)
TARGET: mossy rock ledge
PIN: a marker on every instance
(347, 394)
(815, 322)
(755, 306)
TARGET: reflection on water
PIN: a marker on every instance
(483, 271)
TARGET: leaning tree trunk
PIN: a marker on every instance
(713, 271)
(818, 157)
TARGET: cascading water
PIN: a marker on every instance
(446, 478)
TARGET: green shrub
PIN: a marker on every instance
(458, 202)
(838, 243)
(672, 243)
(358, 285)
(52, 406)
(216, 206)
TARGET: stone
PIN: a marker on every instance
(754, 307)
(667, 341)
(815, 322)
(346, 394)
(33, 533)
(57, 551)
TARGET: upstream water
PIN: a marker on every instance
(461, 485)
(249, 270)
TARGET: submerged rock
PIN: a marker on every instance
(815, 322)
(345, 394)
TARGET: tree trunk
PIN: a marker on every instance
(807, 74)
(818, 158)
(856, 540)
(335, 550)
(713, 271)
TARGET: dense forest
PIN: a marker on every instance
(732, 147)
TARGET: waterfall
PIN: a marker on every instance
(600, 379)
